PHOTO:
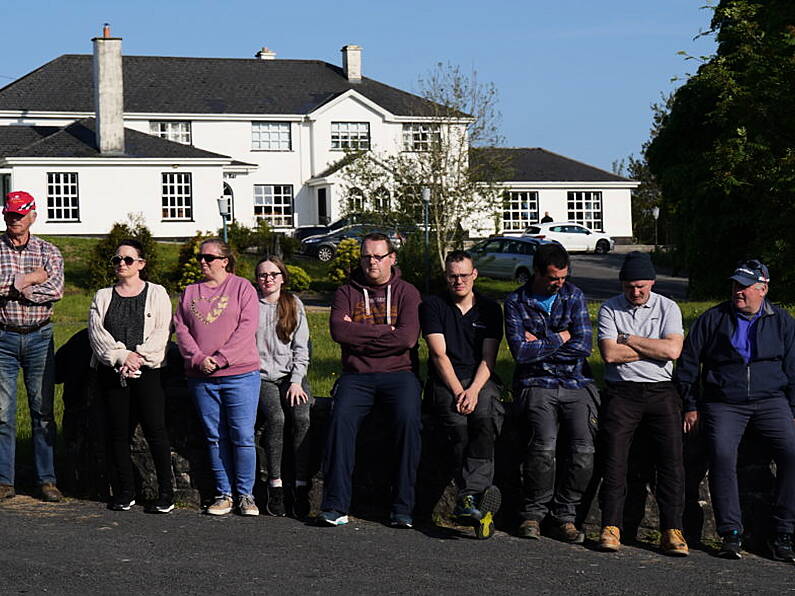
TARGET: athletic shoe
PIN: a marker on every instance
(732, 545)
(164, 504)
(275, 504)
(781, 547)
(301, 505)
(466, 511)
(122, 503)
(331, 518)
(246, 505)
(489, 505)
(566, 532)
(610, 539)
(401, 521)
(673, 543)
(221, 506)
(530, 528)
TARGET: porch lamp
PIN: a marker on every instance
(223, 211)
(426, 205)
(655, 213)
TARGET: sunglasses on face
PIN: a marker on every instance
(117, 260)
(266, 276)
(208, 258)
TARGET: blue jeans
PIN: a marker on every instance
(228, 410)
(33, 353)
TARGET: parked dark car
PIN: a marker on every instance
(306, 231)
(506, 257)
(324, 246)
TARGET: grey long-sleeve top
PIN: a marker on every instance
(276, 358)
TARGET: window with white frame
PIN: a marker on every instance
(419, 136)
(585, 208)
(355, 200)
(381, 199)
(350, 135)
(274, 204)
(519, 210)
(63, 200)
(172, 130)
(177, 196)
(270, 136)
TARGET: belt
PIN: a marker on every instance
(23, 330)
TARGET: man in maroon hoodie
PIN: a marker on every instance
(375, 320)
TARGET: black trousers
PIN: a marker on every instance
(142, 400)
(471, 437)
(659, 408)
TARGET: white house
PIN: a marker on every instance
(95, 138)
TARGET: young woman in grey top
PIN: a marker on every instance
(283, 343)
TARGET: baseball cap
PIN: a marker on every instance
(19, 202)
(751, 272)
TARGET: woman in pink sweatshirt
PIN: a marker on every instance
(216, 324)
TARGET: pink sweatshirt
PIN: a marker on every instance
(220, 322)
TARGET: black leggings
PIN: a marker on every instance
(141, 400)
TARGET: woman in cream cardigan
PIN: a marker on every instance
(128, 327)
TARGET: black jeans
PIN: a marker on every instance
(659, 407)
(472, 436)
(141, 400)
(547, 486)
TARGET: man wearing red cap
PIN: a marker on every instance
(31, 281)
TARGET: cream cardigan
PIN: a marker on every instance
(157, 330)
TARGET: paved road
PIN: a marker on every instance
(597, 276)
(79, 547)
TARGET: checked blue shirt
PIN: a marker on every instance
(548, 361)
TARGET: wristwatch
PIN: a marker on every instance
(623, 338)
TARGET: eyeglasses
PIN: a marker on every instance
(457, 276)
(273, 275)
(117, 260)
(208, 258)
(378, 258)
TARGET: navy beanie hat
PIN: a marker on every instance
(637, 265)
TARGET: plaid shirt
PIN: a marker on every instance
(548, 362)
(36, 306)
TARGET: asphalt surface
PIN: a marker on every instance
(80, 547)
(597, 277)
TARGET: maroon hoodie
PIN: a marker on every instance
(369, 342)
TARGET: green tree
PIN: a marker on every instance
(724, 155)
(101, 273)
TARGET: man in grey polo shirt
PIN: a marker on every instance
(640, 335)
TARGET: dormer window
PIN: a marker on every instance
(172, 130)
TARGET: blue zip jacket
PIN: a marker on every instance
(711, 369)
(548, 362)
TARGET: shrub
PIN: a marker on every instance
(345, 261)
(239, 237)
(299, 279)
(188, 269)
(413, 266)
(101, 273)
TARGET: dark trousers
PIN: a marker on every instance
(658, 407)
(354, 396)
(471, 437)
(724, 425)
(544, 412)
(142, 400)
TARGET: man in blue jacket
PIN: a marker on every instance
(549, 333)
(738, 368)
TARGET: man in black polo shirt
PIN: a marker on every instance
(463, 331)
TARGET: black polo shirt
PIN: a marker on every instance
(463, 333)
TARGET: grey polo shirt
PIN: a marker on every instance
(656, 319)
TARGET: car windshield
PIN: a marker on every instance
(533, 230)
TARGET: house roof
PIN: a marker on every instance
(79, 140)
(203, 86)
(534, 164)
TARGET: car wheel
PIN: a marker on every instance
(602, 247)
(522, 276)
(325, 253)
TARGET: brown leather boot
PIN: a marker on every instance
(610, 539)
(529, 528)
(673, 543)
(49, 493)
(7, 491)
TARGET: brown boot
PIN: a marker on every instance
(49, 493)
(673, 543)
(7, 491)
(610, 539)
(566, 532)
(529, 528)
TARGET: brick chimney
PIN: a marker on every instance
(352, 62)
(108, 93)
(265, 54)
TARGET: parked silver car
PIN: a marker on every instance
(506, 257)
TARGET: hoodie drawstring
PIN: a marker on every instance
(388, 303)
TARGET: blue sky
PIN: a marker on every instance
(574, 76)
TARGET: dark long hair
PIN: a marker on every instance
(286, 307)
(139, 248)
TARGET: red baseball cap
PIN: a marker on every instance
(20, 202)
